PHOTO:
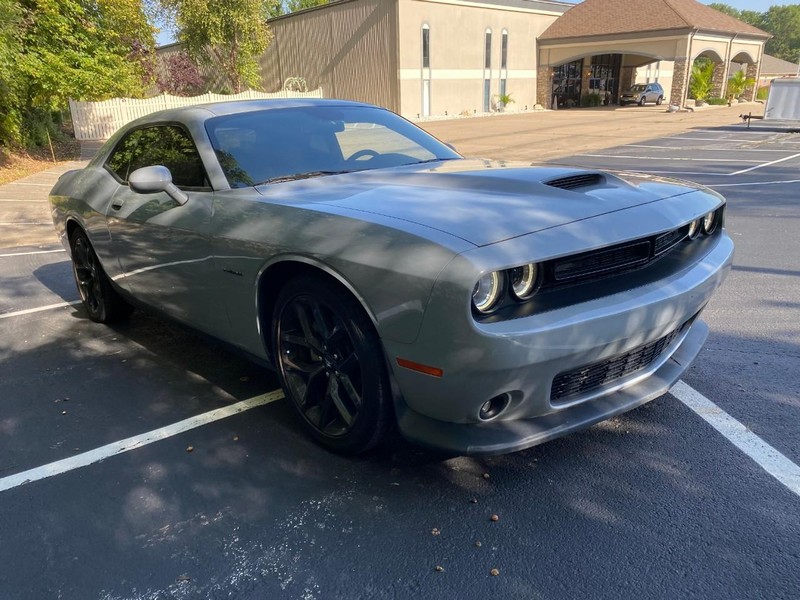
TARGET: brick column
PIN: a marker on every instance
(752, 71)
(544, 86)
(680, 81)
(586, 75)
(719, 81)
(627, 77)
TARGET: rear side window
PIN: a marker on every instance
(167, 145)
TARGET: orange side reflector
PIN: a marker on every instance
(410, 364)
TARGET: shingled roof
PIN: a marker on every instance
(772, 65)
(611, 17)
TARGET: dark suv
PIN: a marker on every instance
(642, 93)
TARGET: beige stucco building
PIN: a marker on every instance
(448, 57)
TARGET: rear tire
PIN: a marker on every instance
(100, 299)
(659, 100)
(331, 365)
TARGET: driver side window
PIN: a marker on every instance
(167, 145)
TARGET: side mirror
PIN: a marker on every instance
(449, 145)
(149, 180)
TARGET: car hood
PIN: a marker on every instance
(481, 202)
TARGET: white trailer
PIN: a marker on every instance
(783, 105)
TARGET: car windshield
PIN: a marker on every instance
(275, 145)
(637, 88)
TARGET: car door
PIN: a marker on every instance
(162, 245)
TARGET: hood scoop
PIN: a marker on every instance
(572, 182)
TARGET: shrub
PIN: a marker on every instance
(591, 100)
(762, 93)
(702, 79)
(716, 101)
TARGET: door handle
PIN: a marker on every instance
(117, 204)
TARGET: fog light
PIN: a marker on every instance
(492, 408)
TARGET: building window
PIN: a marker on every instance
(604, 77)
(487, 71)
(503, 62)
(567, 84)
(426, 70)
(426, 47)
(487, 61)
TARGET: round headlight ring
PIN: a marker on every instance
(525, 281)
(487, 292)
(710, 223)
(694, 229)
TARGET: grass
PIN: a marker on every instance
(17, 163)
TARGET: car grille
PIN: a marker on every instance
(588, 378)
(610, 261)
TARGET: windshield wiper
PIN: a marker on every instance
(297, 176)
(430, 160)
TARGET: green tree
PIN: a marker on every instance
(295, 5)
(52, 50)
(10, 117)
(783, 22)
(230, 35)
(84, 49)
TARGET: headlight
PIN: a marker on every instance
(524, 281)
(694, 229)
(487, 292)
(710, 223)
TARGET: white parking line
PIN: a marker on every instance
(695, 149)
(29, 311)
(694, 139)
(30, 253)
(681, 158)
(767, 457)
(132, 443)
(716, 185)
(774, 162)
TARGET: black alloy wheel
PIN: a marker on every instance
(330, 362)
(100, 299)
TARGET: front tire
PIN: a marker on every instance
(331, 365)
(100, 299)
(642, 100)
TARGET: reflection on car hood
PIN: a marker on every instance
(482, 202)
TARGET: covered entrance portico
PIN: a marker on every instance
(575, 62)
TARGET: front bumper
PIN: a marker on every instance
(520, 358)
(501, 437)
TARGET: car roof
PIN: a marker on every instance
(201, 112)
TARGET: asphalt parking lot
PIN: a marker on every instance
(141, 485)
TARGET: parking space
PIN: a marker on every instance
(653, 504)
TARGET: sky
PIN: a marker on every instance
(167, 37)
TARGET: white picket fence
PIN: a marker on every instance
(99, 120)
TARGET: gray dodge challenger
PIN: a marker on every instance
(481, 307)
